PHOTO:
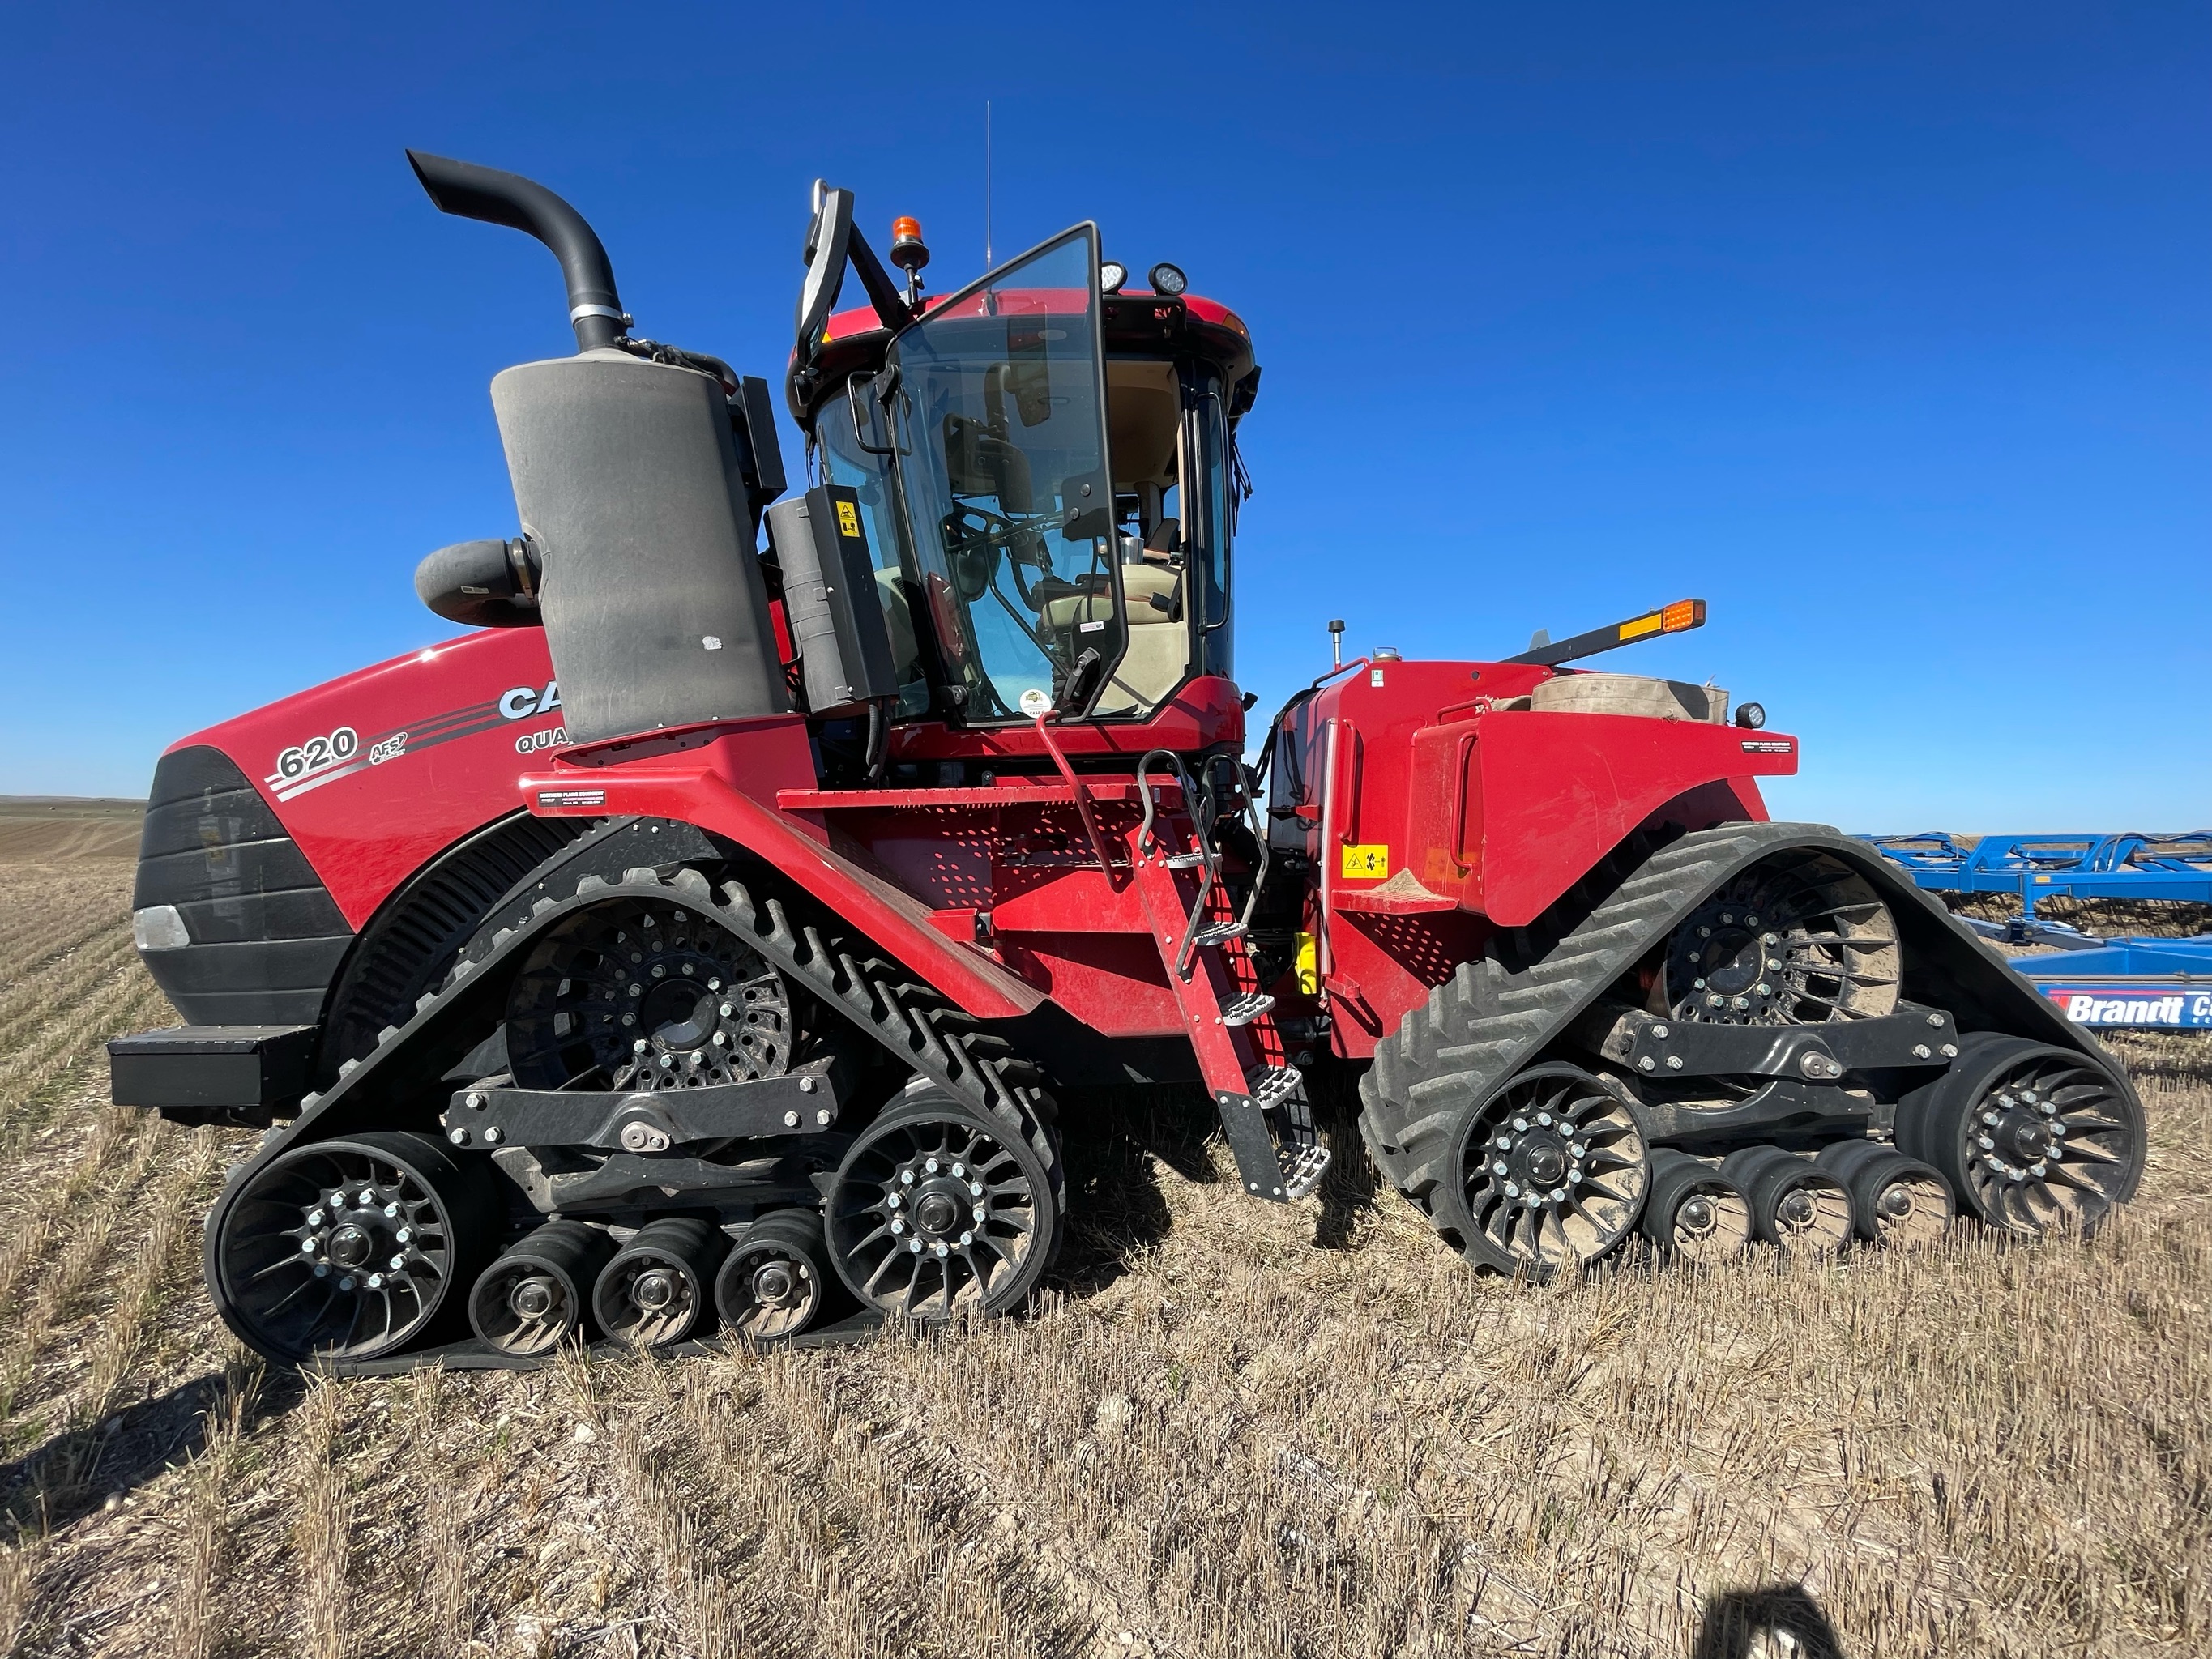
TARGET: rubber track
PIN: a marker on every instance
(1487, 1021)
(909, 1019)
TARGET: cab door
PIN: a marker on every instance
(998, 400)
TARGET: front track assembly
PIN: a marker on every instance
(623, 1117)
(1795, 1046)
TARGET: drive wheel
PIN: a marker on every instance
(1797, 940)
(935, 1211)
(1551, 1169)
(349, 1249)
(633, 995)
(2032, 1137)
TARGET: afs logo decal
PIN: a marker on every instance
(320, 760)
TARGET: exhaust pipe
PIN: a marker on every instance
(470, 191)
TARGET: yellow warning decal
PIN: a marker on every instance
(1371, 862)
(848, 521)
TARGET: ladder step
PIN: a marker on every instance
(1246, 1009)
(1272, 1085)
(1217, 932)
(1185, 861)
(1302, 1169)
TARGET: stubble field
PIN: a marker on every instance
(1229, 1429)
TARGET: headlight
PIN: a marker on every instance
(1167, 279)
(159, 927)
(1111, 275)
(1750, 715)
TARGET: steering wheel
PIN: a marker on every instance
(974, 536)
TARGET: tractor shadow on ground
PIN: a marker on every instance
(1348, 1191)
(1113, 1140)
(64, 1479)
(1109, 1139)
(1774, 1621)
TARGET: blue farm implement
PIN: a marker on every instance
(2164, 984)
(2154, 983)
(2131, 866)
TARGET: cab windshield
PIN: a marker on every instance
(1001, 439)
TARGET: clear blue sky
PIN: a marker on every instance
(1886, 329)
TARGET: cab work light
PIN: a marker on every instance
(1676, 618)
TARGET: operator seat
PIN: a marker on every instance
(1152, 610)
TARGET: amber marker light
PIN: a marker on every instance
(909, 251)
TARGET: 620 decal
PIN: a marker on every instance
(317, 753)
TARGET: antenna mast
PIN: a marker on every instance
(987, 183)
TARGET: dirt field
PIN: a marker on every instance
(1228, 1429)
(52, 827)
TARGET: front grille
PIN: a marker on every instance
(266, 935)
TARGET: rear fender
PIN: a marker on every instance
(1512, 809)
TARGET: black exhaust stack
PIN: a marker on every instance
(470, 191)
(638, 514)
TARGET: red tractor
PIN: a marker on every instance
(701, 944)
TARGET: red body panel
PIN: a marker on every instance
(1460, 816)
(440, 736)
(1430, 814)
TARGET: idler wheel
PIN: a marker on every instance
(1695, 1212)
(349, 1249)
(1895, 1200)
(1795, 1206)
(1552, 1170)
(777, 1278)
(538, 1294)
(935, 1210)
(2032, 1138)
(653, 1291)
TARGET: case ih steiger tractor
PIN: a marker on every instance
(698, 946)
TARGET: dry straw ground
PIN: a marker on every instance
(1228, 1429)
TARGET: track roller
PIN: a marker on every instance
(1895, 1200)
(538, 1294)
(2032, 1138)
(1795, 1206)
(654, 1293)
(1694, 1211)
(776, 1279)
(349, 1249)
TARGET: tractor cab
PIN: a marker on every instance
(1046, 476)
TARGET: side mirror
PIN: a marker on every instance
(829, 239)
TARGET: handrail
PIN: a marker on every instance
(1082, 797)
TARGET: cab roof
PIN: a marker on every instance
(1133, 322)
